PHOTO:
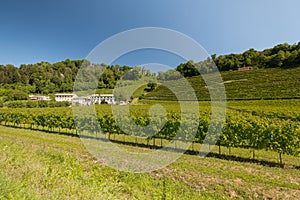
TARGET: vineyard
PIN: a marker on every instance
(243, 128)
(258, 84)
(257, 137)
(279, 109)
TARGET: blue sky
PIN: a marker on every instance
(34, 30)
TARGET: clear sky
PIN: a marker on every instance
(38, 30)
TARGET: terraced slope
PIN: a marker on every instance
(272, 83)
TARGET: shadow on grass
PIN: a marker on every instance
(43, 130)
(173, 149)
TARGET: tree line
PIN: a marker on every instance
(47, 78)
(282, 56)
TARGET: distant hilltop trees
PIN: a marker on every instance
(282, 55)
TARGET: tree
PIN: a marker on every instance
(161, 76)
(277, 59)
(188, 69)
(152, 85)
(103, 101)
(19, 95)
(134, 74)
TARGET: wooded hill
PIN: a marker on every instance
(46, 78)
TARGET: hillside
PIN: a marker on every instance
(48, 78)
(273, 83)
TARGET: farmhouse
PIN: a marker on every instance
(38, 98)
(64, 97)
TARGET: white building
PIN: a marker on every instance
(38, 98)
(123, 103)
(98, 98)
(82, 101)
(64, 97)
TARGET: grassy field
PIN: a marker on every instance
(37, 165)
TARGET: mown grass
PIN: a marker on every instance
(58, 167)
(37, 165)
(8, 190)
